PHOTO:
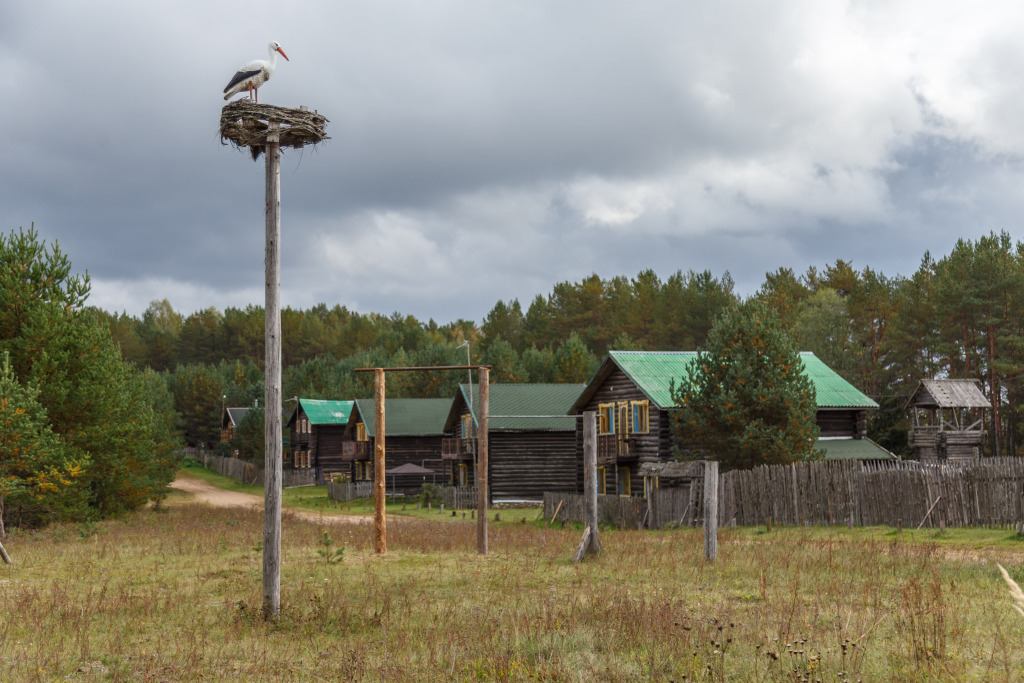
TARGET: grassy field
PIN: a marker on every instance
(176, 595)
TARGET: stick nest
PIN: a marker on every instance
(246, 124)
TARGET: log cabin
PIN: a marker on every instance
(947, 420)
(317, 432)
(414, 429)
(631, 394)
(531, 445)
(229, 422)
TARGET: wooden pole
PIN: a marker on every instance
(481, 470)
(796, 497)
(272, 384)
(590, 480)
(380, 542)
(711, 510)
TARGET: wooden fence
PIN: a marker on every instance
(248, 473)
(623, 512)
(986, 493)
(349, 490)
(459, 497)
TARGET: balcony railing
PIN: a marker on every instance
(355, 450)
(456, 449)
(611, 447)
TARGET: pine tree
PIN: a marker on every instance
(746, 400)
(39, 474)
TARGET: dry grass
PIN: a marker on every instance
(176, 596)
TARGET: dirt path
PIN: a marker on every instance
(204, 492)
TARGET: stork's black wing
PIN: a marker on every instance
(241, 76)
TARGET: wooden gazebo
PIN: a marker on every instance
(947, 420)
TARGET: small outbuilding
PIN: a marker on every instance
(947, 418)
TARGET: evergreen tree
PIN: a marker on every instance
(822, 326)
(198, 392)
(574, 362)
(505, 321)
(746, 400)
(39, 473)
(506, 366)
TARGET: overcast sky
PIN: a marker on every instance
(487, 150)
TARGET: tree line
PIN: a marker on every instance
(957, 316)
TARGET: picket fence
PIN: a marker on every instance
(987, 493)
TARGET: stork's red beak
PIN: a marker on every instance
(283, 54)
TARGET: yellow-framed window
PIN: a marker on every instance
(606, 418)
(640, 414)
(622, 424)
(466, 426)
(602, 482)
(361, 432)
(625, 489)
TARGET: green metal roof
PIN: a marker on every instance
(525, 407)
(407, 416)
(852, 449)
(322, 412)
(832, 390)
(654, 371)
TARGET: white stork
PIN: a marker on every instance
(252, 75)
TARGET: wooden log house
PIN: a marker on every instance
(531, 445)
(414, 429)
(317, 434)
(229, 422)
(631, 394)
(948, 420)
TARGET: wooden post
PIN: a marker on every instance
(272, 384)
(711, 510)
(796, 497)
(380, 536)
(590, 480)
(481, 470)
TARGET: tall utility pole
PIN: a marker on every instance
(272, 382)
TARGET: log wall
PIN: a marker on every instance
(523, 465)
